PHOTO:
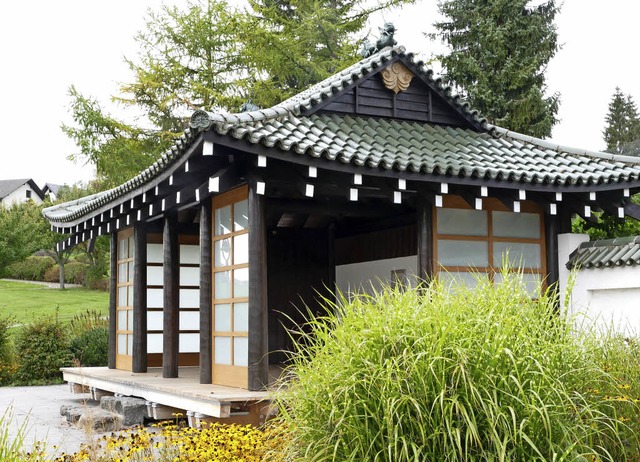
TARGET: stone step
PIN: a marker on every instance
(132, 410)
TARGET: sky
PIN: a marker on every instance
(47, 46)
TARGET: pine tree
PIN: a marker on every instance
(499, 50)
(622, 122)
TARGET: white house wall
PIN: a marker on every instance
(370, 276)
(20, 195)
(609, 297)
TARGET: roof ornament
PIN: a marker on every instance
(200, 120)
(385, 40)
(248, 106)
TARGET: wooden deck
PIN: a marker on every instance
(182, 394)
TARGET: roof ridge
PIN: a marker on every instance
(503, 132)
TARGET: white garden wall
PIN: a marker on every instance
(609, 296)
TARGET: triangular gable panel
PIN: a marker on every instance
(419, 102)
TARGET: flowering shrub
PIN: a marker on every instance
(169, 442)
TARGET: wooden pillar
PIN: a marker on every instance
(113, 293)
(551, 230)
(424, 221)
(205, 292)
(258, 311)
(171, 295)
(139, 359)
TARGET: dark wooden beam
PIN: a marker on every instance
(551, 230)
(424, 221)
(632, 210)
(258, 307)
(206, 318)
(171, 295)
(139, 360)
(113, 293)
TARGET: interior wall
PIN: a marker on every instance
(370, 276)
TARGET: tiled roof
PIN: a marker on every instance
(621, 251)
(484, 152)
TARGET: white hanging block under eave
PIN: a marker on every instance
(522, 194)
(402, 184)
(626, 192)
(214, 184)
(309, 190)
(260, 187)
(592, 196)
(516, 206)
(357, 179)
(207, 148)
(587, 211)
(478, 203)
(353, 194)
(484, 191)
(558, 197)
(620, 212)
(553, 209)
(262, 161)
(397, 197)
(444, 188)
(313, 172)
(438, 201)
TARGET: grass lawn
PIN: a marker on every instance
(23, 301)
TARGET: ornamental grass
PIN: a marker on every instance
(431, 374)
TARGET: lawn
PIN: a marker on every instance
(23, 301)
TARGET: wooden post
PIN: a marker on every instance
(113, 292)
(206, 318)
(258, 311)
(171, 299)
(551, 229)
(424, 220)
(139, 359)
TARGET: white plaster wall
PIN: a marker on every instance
(608, 297)
(20, 195)
(370, 276)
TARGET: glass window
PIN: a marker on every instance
(190, 254)
(241, 351)
(460, 278)
(510, 224)
(222, 221)
(520, 255)
(241, 282)
(122, 272)
(122, 320)
(122, 296)
(463, 253)
(241, 215)
(222, 284)
(122, 344)
(154, 253)
(241, 249)
(123, 249)
(462, 222)
(222, 252)
(241, 317)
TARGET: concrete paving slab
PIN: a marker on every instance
(37, 410)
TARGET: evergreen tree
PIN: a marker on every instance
(622, 123)
(499, 50)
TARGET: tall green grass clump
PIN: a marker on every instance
(431, 374)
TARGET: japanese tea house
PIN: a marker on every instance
(378, 173)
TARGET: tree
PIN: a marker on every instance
(214, 57)
(622, 123)
(499, 50)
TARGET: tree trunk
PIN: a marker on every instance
(61, 265)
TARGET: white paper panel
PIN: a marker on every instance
(189, 276)
(241, 317)
(222, 284)
(241, 249)
(241, 351)
(154, 298)
(130, 320)
(130, 272)
(129, 295)
(122, 272)
(508, 224)
(122, 320)
(222, 347)
(462, 222)
(241, 282)
(222, 317)
(189, 320)
(460, 279)
(129, 344)
(463, 253)
(189, 343)
(154, 343)
(154, 275)
(190, 254)
(122, 344)
(123, 251)
(154, 320)
(189, 298)
(154, 253)
(122, 296)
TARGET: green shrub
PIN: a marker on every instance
(74, 273)
(91, 348)
(86, 321)
(470, 375)
(42, 348)
(7, 362)
(31, 269)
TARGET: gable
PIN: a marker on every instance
(418, 102)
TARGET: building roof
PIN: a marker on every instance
(621, 251)
(475, 152)
(9, 186)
